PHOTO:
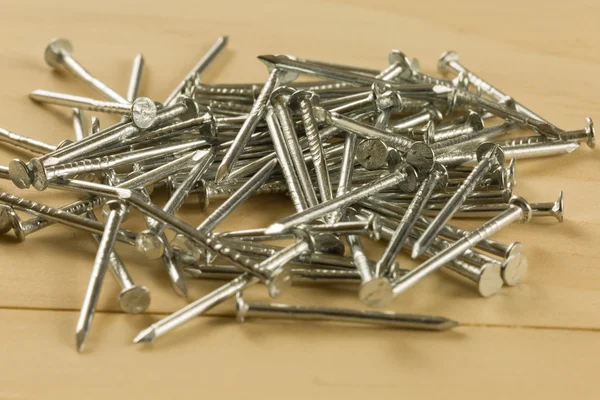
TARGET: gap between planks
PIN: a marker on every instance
(464, 325)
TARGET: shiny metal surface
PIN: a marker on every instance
(103, 258)
(490, 156)
(362, 155)
(247, 310)
(519, 210)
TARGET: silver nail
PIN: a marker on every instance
(405, 178)
(58, 53)
(99, 268)
(200, 66)
(142, 110)
(133, 299)
(488, 155)
(259, 107)
(520, 209)
(436, 179)
(386, 318)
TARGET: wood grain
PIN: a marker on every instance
(274, 359)
(536, 339)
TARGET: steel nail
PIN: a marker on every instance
(58, 53)
(386, 318)
(103, 257)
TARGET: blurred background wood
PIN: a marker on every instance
(539, 339)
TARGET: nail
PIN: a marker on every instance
(475, 137)
(508, 112)
(47, 174)
(368, 228)
(405, 178)
(185, 248)
(276, 278)
(346, 171)
(24, 142)
(200, 66)
(262, 250)
(133, 299)
(206, 192)
(587, 134)
(142, 110)
(512, 270)
(349, 68)
(235, 94)
(436, 179)
(417, 154)
(276, 77)
(148, 242)
(173, 269)
(257, 234)
(486, 275)
(323, 71)
(488, 155)
(285, 162)
(422, 117)
(540, 149)
(373, 153)
(164, 171)
(99, 268)
(23, 174)
(305, 101)
(520, 209)
(228, 108)
(474, 123)
(62, 217)
(374, 291)
(94, 126)
(411, 71)
(135, 78)
(550, 209)
(77, 124)
(299, 275)
(437, 197)
(196, 308)
(386, 318)
(279, 103)
(11, 220)
(450, 61)
(58, 53)
(508, 252)
(203, 123)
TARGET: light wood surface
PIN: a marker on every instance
(538, 340)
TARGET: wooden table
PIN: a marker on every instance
(538, 340)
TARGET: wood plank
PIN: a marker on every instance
(275, 359)
(545, 56)
(51, 269)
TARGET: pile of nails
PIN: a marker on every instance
(363, 154)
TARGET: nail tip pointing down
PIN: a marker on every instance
(416, 252)
(222, 172)
(180, 287)
(80, 338)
